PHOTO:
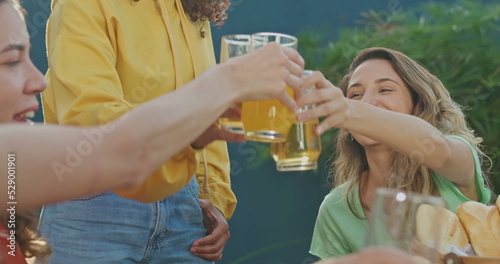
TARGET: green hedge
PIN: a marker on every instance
(459, 43)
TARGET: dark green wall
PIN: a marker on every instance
(275, 216)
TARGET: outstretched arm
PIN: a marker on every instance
(404, 133)
(55, 163)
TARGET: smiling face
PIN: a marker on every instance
(20, 80)
(376, 82)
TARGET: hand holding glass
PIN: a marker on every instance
(268, 120)
(302, 147)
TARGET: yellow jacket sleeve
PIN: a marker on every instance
(218, 178)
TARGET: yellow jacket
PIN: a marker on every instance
(107, 56)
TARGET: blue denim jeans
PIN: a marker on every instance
(109, 229)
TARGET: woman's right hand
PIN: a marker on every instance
(329, 102)
(265, 74)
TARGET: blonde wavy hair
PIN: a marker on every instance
(27, 236)
(432, 103)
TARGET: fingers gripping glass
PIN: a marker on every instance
(302, 147)
(268, 120)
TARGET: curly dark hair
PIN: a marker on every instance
(211, 10)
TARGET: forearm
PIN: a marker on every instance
(405, 134)
(415, 138)
(187, 113)
(54, 163)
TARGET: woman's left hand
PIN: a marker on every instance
(211, 246)
(329, 102)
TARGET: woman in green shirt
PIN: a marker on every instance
(399, 128)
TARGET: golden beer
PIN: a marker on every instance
(301, 149)
(267, 120)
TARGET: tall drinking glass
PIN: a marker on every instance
(396, 218)
(232, 46)
(302, 147)
(268, 120)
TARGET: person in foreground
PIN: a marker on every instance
(399, 128)
(120, 154)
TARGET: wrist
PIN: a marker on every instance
(353, 115)
(229, 84)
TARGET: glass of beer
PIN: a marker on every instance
(408, 221)
(302, 147)
(232, 46)
(268, 120)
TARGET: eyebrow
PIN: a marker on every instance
(381, 80)
(10, 47)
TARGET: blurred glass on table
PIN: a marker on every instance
(396, 217)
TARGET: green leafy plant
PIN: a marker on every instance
(459, 43)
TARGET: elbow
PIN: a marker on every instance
(130, 160)
(433, 153)
(122, 174)
(133, 180)
(441, 155)
(138, 169)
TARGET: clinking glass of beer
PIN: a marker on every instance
(294, 146)
(302, 147)
(268, 120)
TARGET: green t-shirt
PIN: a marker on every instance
(338, 231)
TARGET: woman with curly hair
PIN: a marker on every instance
(399, 128)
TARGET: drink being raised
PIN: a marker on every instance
(267, 120)
(301, 149)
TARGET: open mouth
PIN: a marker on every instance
(24, 117)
